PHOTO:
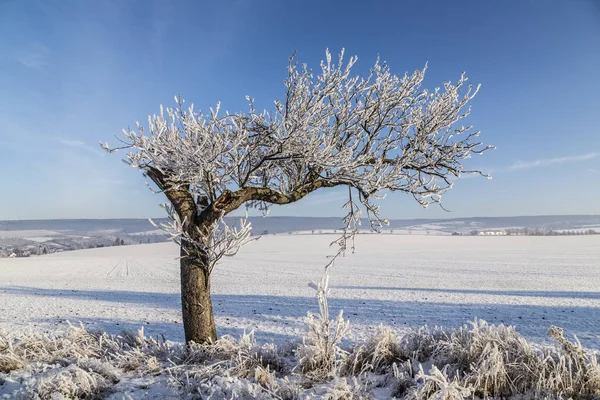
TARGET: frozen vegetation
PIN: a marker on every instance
(480, 361)
(261, 298)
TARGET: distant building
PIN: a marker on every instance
(493, 233)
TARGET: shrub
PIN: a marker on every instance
(320, 353)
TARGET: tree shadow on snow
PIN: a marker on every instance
(276, 317)
(163, 300)
(172, 331)
(532, 321)
(525, 293)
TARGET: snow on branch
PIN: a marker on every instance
(219, 239)
(375, 134)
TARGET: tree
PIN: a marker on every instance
(374, 134)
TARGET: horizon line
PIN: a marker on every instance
(304, 217)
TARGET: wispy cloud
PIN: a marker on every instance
(78, 144)
(544, 162)
(36, 58)
(72, 143)
(551, 161)
(113, 182)
(594, 171)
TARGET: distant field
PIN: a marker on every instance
(27, 234)
(397, 280)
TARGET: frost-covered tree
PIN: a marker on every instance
(372, 134)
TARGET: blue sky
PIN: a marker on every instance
(75, 72)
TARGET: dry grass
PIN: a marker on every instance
(377, 354)
(481, 361)
(494, 362)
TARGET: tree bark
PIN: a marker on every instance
(196, 304)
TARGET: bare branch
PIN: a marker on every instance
(376, 134)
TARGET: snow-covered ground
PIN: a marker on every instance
(397, 280)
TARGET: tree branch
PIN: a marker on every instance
(230, 201)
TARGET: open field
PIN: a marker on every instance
(400, 281)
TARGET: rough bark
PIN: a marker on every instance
(196, 304)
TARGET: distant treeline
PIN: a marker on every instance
(548, 232)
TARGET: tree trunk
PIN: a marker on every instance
(196, 305)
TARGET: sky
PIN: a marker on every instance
(76, 72)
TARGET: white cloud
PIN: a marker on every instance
(78, 144)
(551, 161)
(72, 143)
(35, 58)
(520, 165)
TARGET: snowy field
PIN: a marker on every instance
(28, 234)
(397, 280)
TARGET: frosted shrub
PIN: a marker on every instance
(135, 352)
(10, 362)
(496, 362)
(226, 388)
(138, 360)
(102, 368)
(437, 386)
(226, 347)
(243, 355)
(574, 372)
(71, 382)
(402, 378)
(9, 359)
(499, 359)
(320, 352)
(378, 353)
(251, 367)
(342, 390)
(420, 344)
(43, 347)
(288, 390)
